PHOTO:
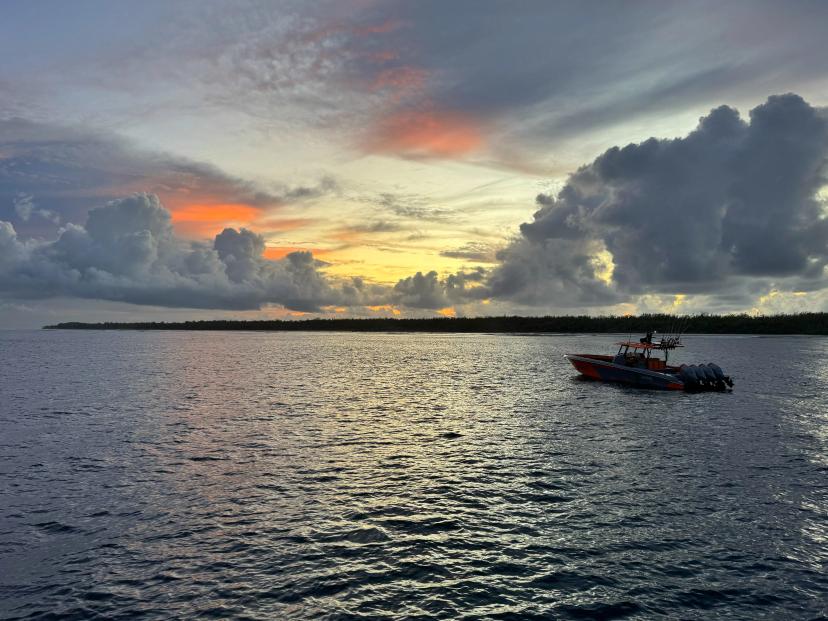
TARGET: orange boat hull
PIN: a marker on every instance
(602, 368)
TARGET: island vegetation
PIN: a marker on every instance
(800, 323)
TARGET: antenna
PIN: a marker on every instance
(685, 324)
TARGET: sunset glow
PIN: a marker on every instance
(419, 158)
(432, 134)
(207, 219)
(312, 310)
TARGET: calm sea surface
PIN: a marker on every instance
(370, 476)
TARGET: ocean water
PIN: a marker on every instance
(159, 475)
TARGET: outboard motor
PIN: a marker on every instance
(709, 375)
(689, 377)
(717, 370)
(718, 374)
(722, 379)
(709, 378)
(704, 377)
(700, 378)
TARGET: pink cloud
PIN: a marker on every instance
(426, 134)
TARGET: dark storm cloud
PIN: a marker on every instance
(127, 252)
(700, 214)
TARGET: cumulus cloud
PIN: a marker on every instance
(25, 208)
(727, 213)
(127, 251)
(429, 291)
(71, 169)
(730, 202)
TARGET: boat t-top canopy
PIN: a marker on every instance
(663, 344)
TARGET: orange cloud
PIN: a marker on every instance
(210, 218)
(427, 134)
(223, 212)
(384, 307)
(447, 312)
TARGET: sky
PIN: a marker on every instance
(214, 159)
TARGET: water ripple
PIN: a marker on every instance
(345, 476)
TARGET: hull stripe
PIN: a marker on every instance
(611, 372)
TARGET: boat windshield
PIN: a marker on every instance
(639, 353)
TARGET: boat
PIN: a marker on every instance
(637, 363)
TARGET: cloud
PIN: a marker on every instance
(429, 291)
(400, 81)
(731, 201)
(323, 66)
(573, 68)
(421, 291)
(327, 185)
(379, 226)
(73, 168)
(425, 134)
(557, 70)
(727, 213)
(25, 208)
(127, 251)
(412, 207)
(473, 251)
(560, 273)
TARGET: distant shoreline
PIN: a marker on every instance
(802, 323)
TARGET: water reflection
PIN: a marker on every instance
(346, 475)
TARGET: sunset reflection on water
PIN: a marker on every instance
(301, 475)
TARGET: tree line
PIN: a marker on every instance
(799, 323)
